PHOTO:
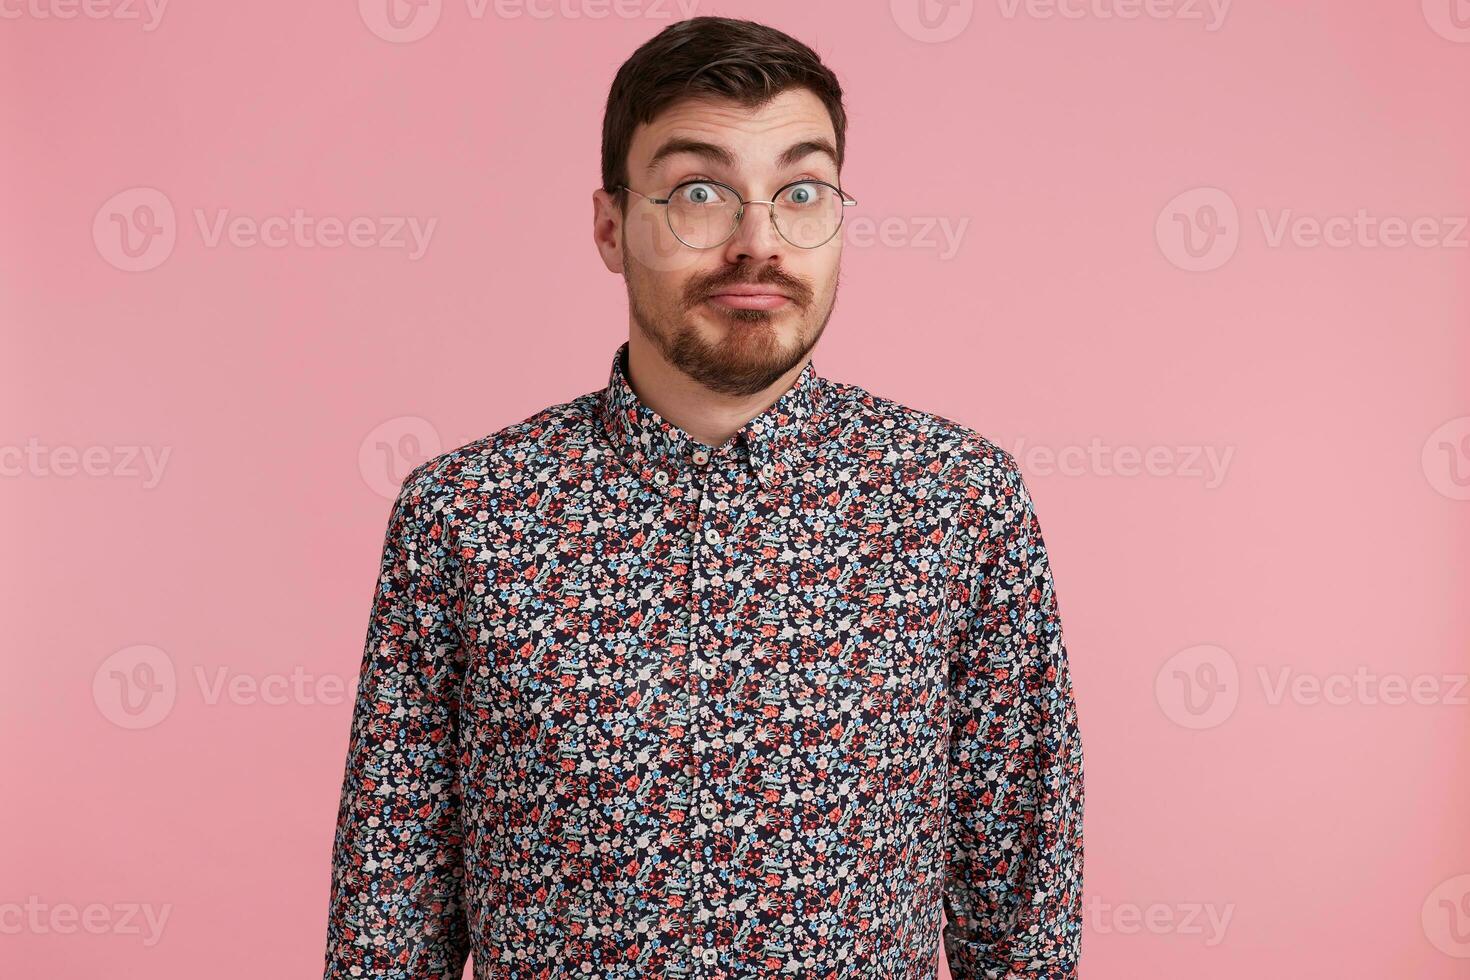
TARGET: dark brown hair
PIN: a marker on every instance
(709, 57)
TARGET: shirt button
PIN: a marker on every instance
(660, 477)
(701, 456)
(709, 810)
(707, 670)
(710, 956)
(712, 536)
(768, 470)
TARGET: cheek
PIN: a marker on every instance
(821, 272)
(648, 243)
(655, 290)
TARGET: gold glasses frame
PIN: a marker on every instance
(847, 202)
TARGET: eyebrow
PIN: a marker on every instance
(717, 154)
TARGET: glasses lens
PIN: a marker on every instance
(808, 214)
(702, 215)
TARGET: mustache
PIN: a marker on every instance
(797, 289)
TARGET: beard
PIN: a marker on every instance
(750, 356)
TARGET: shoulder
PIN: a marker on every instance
(977, 485)
(501, 460)
(962, 456)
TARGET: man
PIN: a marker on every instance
(726, 670)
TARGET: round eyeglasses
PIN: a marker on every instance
(705, 213)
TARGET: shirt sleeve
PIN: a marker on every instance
(1013, 840)
(397, 907)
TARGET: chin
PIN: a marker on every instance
(725, 319)
(757, 337)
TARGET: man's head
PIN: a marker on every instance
(749, 107)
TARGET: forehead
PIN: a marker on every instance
(755, 138)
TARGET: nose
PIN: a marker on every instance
(755, 235)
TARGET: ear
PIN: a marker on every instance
(607, 229)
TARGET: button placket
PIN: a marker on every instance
(696, 830)
(712, 523)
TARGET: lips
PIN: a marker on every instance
(750, 298)
(749, 291)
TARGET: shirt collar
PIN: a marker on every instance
(771, 444)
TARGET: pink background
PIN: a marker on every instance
(1234, 828)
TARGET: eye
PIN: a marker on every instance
(699, 193)
(806, 195)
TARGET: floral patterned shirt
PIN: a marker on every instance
(633, 706)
